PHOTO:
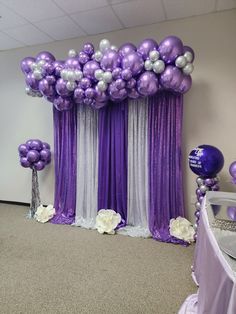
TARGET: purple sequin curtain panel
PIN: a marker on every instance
(65, 137)
(165, 173)
(112, 160)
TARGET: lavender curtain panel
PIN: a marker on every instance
(65, 138)
(112, 158)
(165, 174)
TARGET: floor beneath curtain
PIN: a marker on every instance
(49, 268)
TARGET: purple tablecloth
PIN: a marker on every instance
(216, 279)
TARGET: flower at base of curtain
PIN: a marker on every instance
(182, 229)
(43, 214)
(107, 220)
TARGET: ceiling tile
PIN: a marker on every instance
(8, 43)
(226, 4)
(97, 21)
(9, 19)
(139, 12)
(29, 35)
(60, 28)
(116, 1)
(34, 10)
(73, 6)
(184, 8)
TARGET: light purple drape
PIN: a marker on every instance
(165, 174)
(65, 137)
(112, 158)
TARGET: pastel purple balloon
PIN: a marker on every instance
(147, 84)
(134, 62)
(232, 169)
(36, 145)
(126, 74)
(62, 104)
(189, 49)
(89, 69)
(72, 63)
(61, 88)
(185, 84)
(88, 49)
(78, 95)
(23, 150)
(45, 145)
(24, 162)
(170, 48)
(58, 66)
(83, 57)
(39, 165)
(85, 83)
(33, 156)
(171, 78)
(116, 73)
(110, 60)
(45, 154)
(32, 82)
(90, 92)
(26, 64)
(146, 46)
(231, 212)
(126, 49)
(46, 56)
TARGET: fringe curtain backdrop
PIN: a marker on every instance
(128, 159)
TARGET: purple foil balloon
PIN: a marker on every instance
(110, 60)
(72, 63)
(147, 84)
(61, 88)
(98, 105)
(133, 94)
(232, 171)
(24, 162)
(231, 212)
(45, 88)
(89, 69)
(32, 82)
(46, 56)
(119, 83)
(209, 182)
(45, 155)
(101, 97)
(90, 92)
(131, 83)
(189, 49)
(85, 83)
(58, 66)
(36, 145)
(116, 73)
(23, 150)
(170, 48)
(33, 156)
(39, 165)
(78, 95)
(126, 49)
(62, 104)
(26, 64)
(134, 62)
(171, 78)
(146, 46)
(126, 74)
(88, 49)
(83, 57)
(46, 145)
(185, 84)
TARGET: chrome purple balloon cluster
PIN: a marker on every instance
(93, 77)
(34, 154)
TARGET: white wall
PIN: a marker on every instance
(209, 109)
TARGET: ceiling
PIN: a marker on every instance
(32, 22)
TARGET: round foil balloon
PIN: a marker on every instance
(206, 161)
(231, 212)
(232, 171)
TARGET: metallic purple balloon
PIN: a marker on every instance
(23, 150)
(110, 60)
(209, 182)
(126, 49)
(26, 64)
(45, 155)
(51, 79)
(231, 212)
(232, 170)
(45, 55)
(88, 49)
(62, 104)
(171, 78)
(83, 57)
(189, 49)
(72, 63)
(170, 48)
(119, 83)
(85, 83)
(200, 198)
(117, 94)
(78, 95)
(116, 73)
(131, 83)
(24, 162)
(48, 68)
(146, 46)
(32, 82)
(101, 97)
(89, 69)
(134, 62)
(147, 84)
(39, 165)
(185, 84)
(126, 74)
(45, 88)
(45, 145)
(133, 94)
(215, 187)
(36, 145)
(90, 93)
(33, 156)
(58, 66)
(61, 88)
(98, 105)
(88, 101)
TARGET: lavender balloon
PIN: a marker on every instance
(78, 95)
(46, 56)
(232, 171)
(88, 49)
(32, 82)
(110, 60)
(185, 84)
(83, 57)
(147, 84)
(146, 46)
(89, 69)
(26, 64)
(134, 62)
(61, 88)
(170, 48)
(72, 63)
(126, 49)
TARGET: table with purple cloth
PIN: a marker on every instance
(214, 271)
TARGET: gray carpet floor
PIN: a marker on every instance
(47, 268)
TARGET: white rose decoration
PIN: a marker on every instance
(107, 220)
(182, 229)
(43, 214)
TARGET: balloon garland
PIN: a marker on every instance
(34, 154)
(93, 77)
(206, 161)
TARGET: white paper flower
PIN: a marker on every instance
(43, 214)
(182, 229)
(107, 220)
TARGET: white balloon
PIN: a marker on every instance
(33, 66)
(189, 56)
(113, 47)
(37, 74)
(107, 77)
(28, 90)
(71, 76)
(41, 63)
(104, 45)
(159, 66)
(99, 74)
(72, 53)
(188, 69)
(181, 61)
(63, 74)
(148, 65)
(98, 55)
(71, 85)
(102, 86)
(78, 75)
(154, 55)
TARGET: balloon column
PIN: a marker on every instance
(93, 77)
(34, 154)
(206, 161)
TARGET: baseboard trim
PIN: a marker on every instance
(15, 203)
